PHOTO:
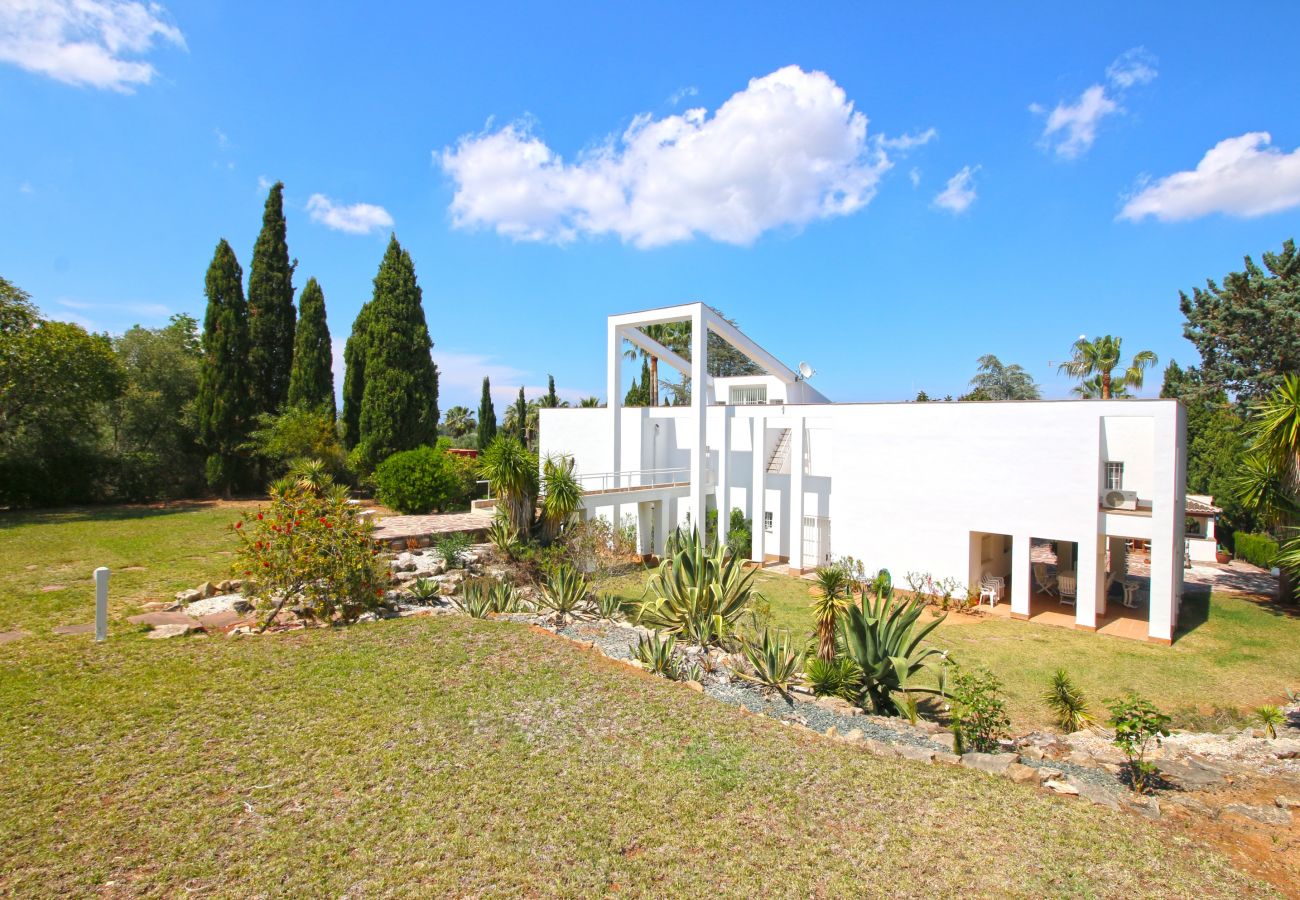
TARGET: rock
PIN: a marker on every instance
(74, 629)
(835, 705)
(158, 606)
(1031, 752)
(1144, 806)
(948, 759)
(878, 748)
(1190, 774)
(830, 732)
(176, 629)
(1097, 794)
(1287, 803)
(224, 587)
(1061, 787)
(694, 685)
(207, 589)
(910, 751)
(1022, 774)
(158, 619)
(1080, 758)
(992, 763)
(945, 739)
(855, 735)
(221, 603)
(189, 596)
(1264, 815)
(1056, 750)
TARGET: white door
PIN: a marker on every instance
(816, 540)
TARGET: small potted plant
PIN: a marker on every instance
(1221, 554)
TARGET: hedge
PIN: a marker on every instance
(1256, 549)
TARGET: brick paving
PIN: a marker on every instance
(400, 528)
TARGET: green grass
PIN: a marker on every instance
(460, 757)
(1237, 655)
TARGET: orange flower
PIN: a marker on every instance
(239, 524)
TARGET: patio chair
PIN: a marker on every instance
(1130, 592)
(1044, 580)
(1067, 586)
(991, 586)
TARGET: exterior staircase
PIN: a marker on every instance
(780, 459)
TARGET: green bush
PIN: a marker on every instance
(1256, 549)
(980, 714)
(425, 479)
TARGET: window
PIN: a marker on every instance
(1114, 476)
(767, 522)
(748, 396)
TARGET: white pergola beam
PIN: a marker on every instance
(756, 354)
(655, 349)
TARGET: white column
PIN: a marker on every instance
(644, 518)
(1021, 576)
(1090, 567)
(723, 490)
(614, 398)
(699, 410)
(758, 487)
(662, 526)
(796, 493)
(1168, 502)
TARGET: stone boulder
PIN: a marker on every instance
(176, 629)
(1263, 815)
(990, 763)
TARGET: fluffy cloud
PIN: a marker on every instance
(85, 42)
(1071, 128)
(359, 218)
(1240, 176)
(959, 193)
(905, 142)
(787, 150)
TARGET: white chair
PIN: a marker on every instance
(991, 586)
(1130, 592)
(1067, 586)
(1044, 580)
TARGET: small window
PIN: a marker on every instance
(748, 396)
(767, 522)
(1114, 476)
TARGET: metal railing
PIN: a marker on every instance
(637, 478)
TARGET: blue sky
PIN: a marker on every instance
(887, 193)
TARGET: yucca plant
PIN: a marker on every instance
(882, 638)
(1269, 718)
(503, 537)
(697, 593)
(1067, 703)
(504, 598)
(475, 598)
(424, 590)
(775, 662)
(693, 672)
(609, 606)
(655, 653)
(561, 495)
(840, 677)
(832, 599)
(565, 593)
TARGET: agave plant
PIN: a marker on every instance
(475, 598)
(655, 653)
(831, 601)
(1067, 703)
(504, 598)
(565, 593)
(503, 537)
(882, 638)
(609, 606)
(697, 593)
(424, 590)
(775, 662)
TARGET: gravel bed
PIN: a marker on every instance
(613, 640)
(1099, 777)
(810, 714)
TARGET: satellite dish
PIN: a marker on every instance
(806, 371)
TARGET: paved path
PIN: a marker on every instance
(395, 528)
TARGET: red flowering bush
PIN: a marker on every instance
(310, 549)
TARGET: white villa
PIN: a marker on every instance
(958, 490)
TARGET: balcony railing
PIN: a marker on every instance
(631, 480)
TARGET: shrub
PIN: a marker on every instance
(980, 715)
(880, 636)
(740, 534)
(698, 594)
(310, 547)
(565, 593)
(834, 678)
(656, 654)
(1137, 724)
(1257, 549)
(1269, 717)
(298, 433)
(596, 547)
(422, 480)
(451, 549)
(1067, 703)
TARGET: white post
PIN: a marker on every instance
(1168, 506)
(101, 604)
(699, 408)
(796, 493)
(723, 490)
(1022, 575)
(1090, 569)
(758, 487)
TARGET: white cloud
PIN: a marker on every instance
(26, 188)
(959, 193)
(359, 218)
(1071, 128)
(85, 42)
(787, 150)
(263, 184)
(915, 176)
(905, 142)
(681, 94)
(1240, 176)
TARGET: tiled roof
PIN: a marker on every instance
(1201, 508)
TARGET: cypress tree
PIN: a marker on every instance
(521, 415)
(487, 417)
(399, 394)
(270, 309)
(552, 400)
(311, 381)
(222, 402)
(354, 379)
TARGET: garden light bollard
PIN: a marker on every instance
(101, 603)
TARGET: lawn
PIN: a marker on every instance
(453, 756)
(1239, 654)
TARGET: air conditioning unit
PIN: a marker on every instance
(1120, 500)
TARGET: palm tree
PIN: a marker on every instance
(458, 421)
(832, 598)
(1090, 389)
(511, 472)
(590, 403)
(1100, 357)
(1269, 483)
(670, 334)
(999, 382)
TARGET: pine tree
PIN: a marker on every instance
(487, 417)
(311, 380)
(222, 404)
(354, 378)
(270, 310)
(399, 390)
